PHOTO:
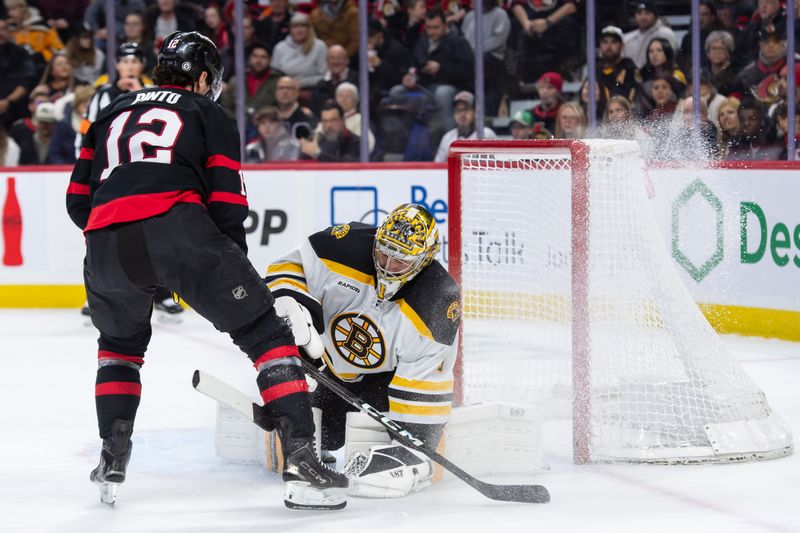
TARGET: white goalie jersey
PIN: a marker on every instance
(333, 275)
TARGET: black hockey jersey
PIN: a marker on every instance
(153, 148)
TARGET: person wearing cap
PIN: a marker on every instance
(521, 125)
(33, 143)
(548, 38)
(771, 59)
(649, 26)
(769, 17)
(274, 142)
(617, 75)
(464, 117)
(549, 87)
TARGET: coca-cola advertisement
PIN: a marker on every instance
(12, 225)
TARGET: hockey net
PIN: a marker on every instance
(571, 302)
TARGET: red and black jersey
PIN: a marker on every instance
(153, 148)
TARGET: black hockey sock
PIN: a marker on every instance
(285, 393)
(117, 393)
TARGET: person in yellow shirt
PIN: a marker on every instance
(31, 31)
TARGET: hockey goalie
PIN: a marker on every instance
(380, 314)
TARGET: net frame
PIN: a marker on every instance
(578, 153)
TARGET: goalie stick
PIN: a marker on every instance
(218, 390)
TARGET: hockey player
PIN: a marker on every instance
(159, 194)
(388, 313)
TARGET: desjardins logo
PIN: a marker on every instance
(679, 251)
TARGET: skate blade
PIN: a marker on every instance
(108, 492)
(300, 495)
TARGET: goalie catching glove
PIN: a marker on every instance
(388, 471)
(299, 319)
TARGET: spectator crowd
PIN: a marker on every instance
(301, 74)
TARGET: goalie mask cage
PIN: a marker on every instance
(571, 302)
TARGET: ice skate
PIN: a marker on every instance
(114, 457)
(169, 311)
(310, 485)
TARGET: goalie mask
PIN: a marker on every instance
(405, 243)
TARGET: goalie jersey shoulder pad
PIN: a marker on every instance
(435, 298)
(347, 244)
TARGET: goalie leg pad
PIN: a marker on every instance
(388, 471)
(362, 433)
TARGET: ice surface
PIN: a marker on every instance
(48, 445)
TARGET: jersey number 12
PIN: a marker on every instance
(163, 142)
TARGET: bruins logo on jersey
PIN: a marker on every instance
(454, 311)
(358, 340)
(340, 231)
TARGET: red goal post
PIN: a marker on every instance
(579, 163)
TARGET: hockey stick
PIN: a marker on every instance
(507, 493)
(232, 397)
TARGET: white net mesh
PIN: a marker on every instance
(662, 385)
